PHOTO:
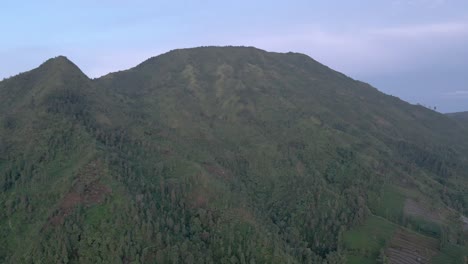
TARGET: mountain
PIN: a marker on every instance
(225, 155)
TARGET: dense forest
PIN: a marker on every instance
(225, 155)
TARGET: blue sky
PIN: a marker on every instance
(414, 49)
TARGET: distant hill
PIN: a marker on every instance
(461, 116)
(225, 155)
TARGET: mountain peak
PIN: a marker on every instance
(55, 74)
(60, 68)
(60, 58)
(59, 62)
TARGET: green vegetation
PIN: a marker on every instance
(388, 204)
(424, 226)
(218, 155)
(365, 241)
(451, 254)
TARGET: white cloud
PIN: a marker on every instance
(457, 93)
(420, 3)
(426, 30)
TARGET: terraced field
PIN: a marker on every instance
(410, 248)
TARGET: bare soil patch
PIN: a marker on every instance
(217, 170)
(87, 190)
(465, 222)
(418, 209)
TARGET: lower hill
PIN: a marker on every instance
(461, 116)
(225, 155)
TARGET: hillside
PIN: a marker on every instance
(461, 116)
(225, 155)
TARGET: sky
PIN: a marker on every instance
(414, 49)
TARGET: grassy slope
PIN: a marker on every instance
(366, 241)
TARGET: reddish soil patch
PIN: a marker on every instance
(414, 208)
(87, 190)
(409, 248)
(382, 122)
(245, 215)
(300, 168)
(217, 170)
(200, 194)
(198, 199)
